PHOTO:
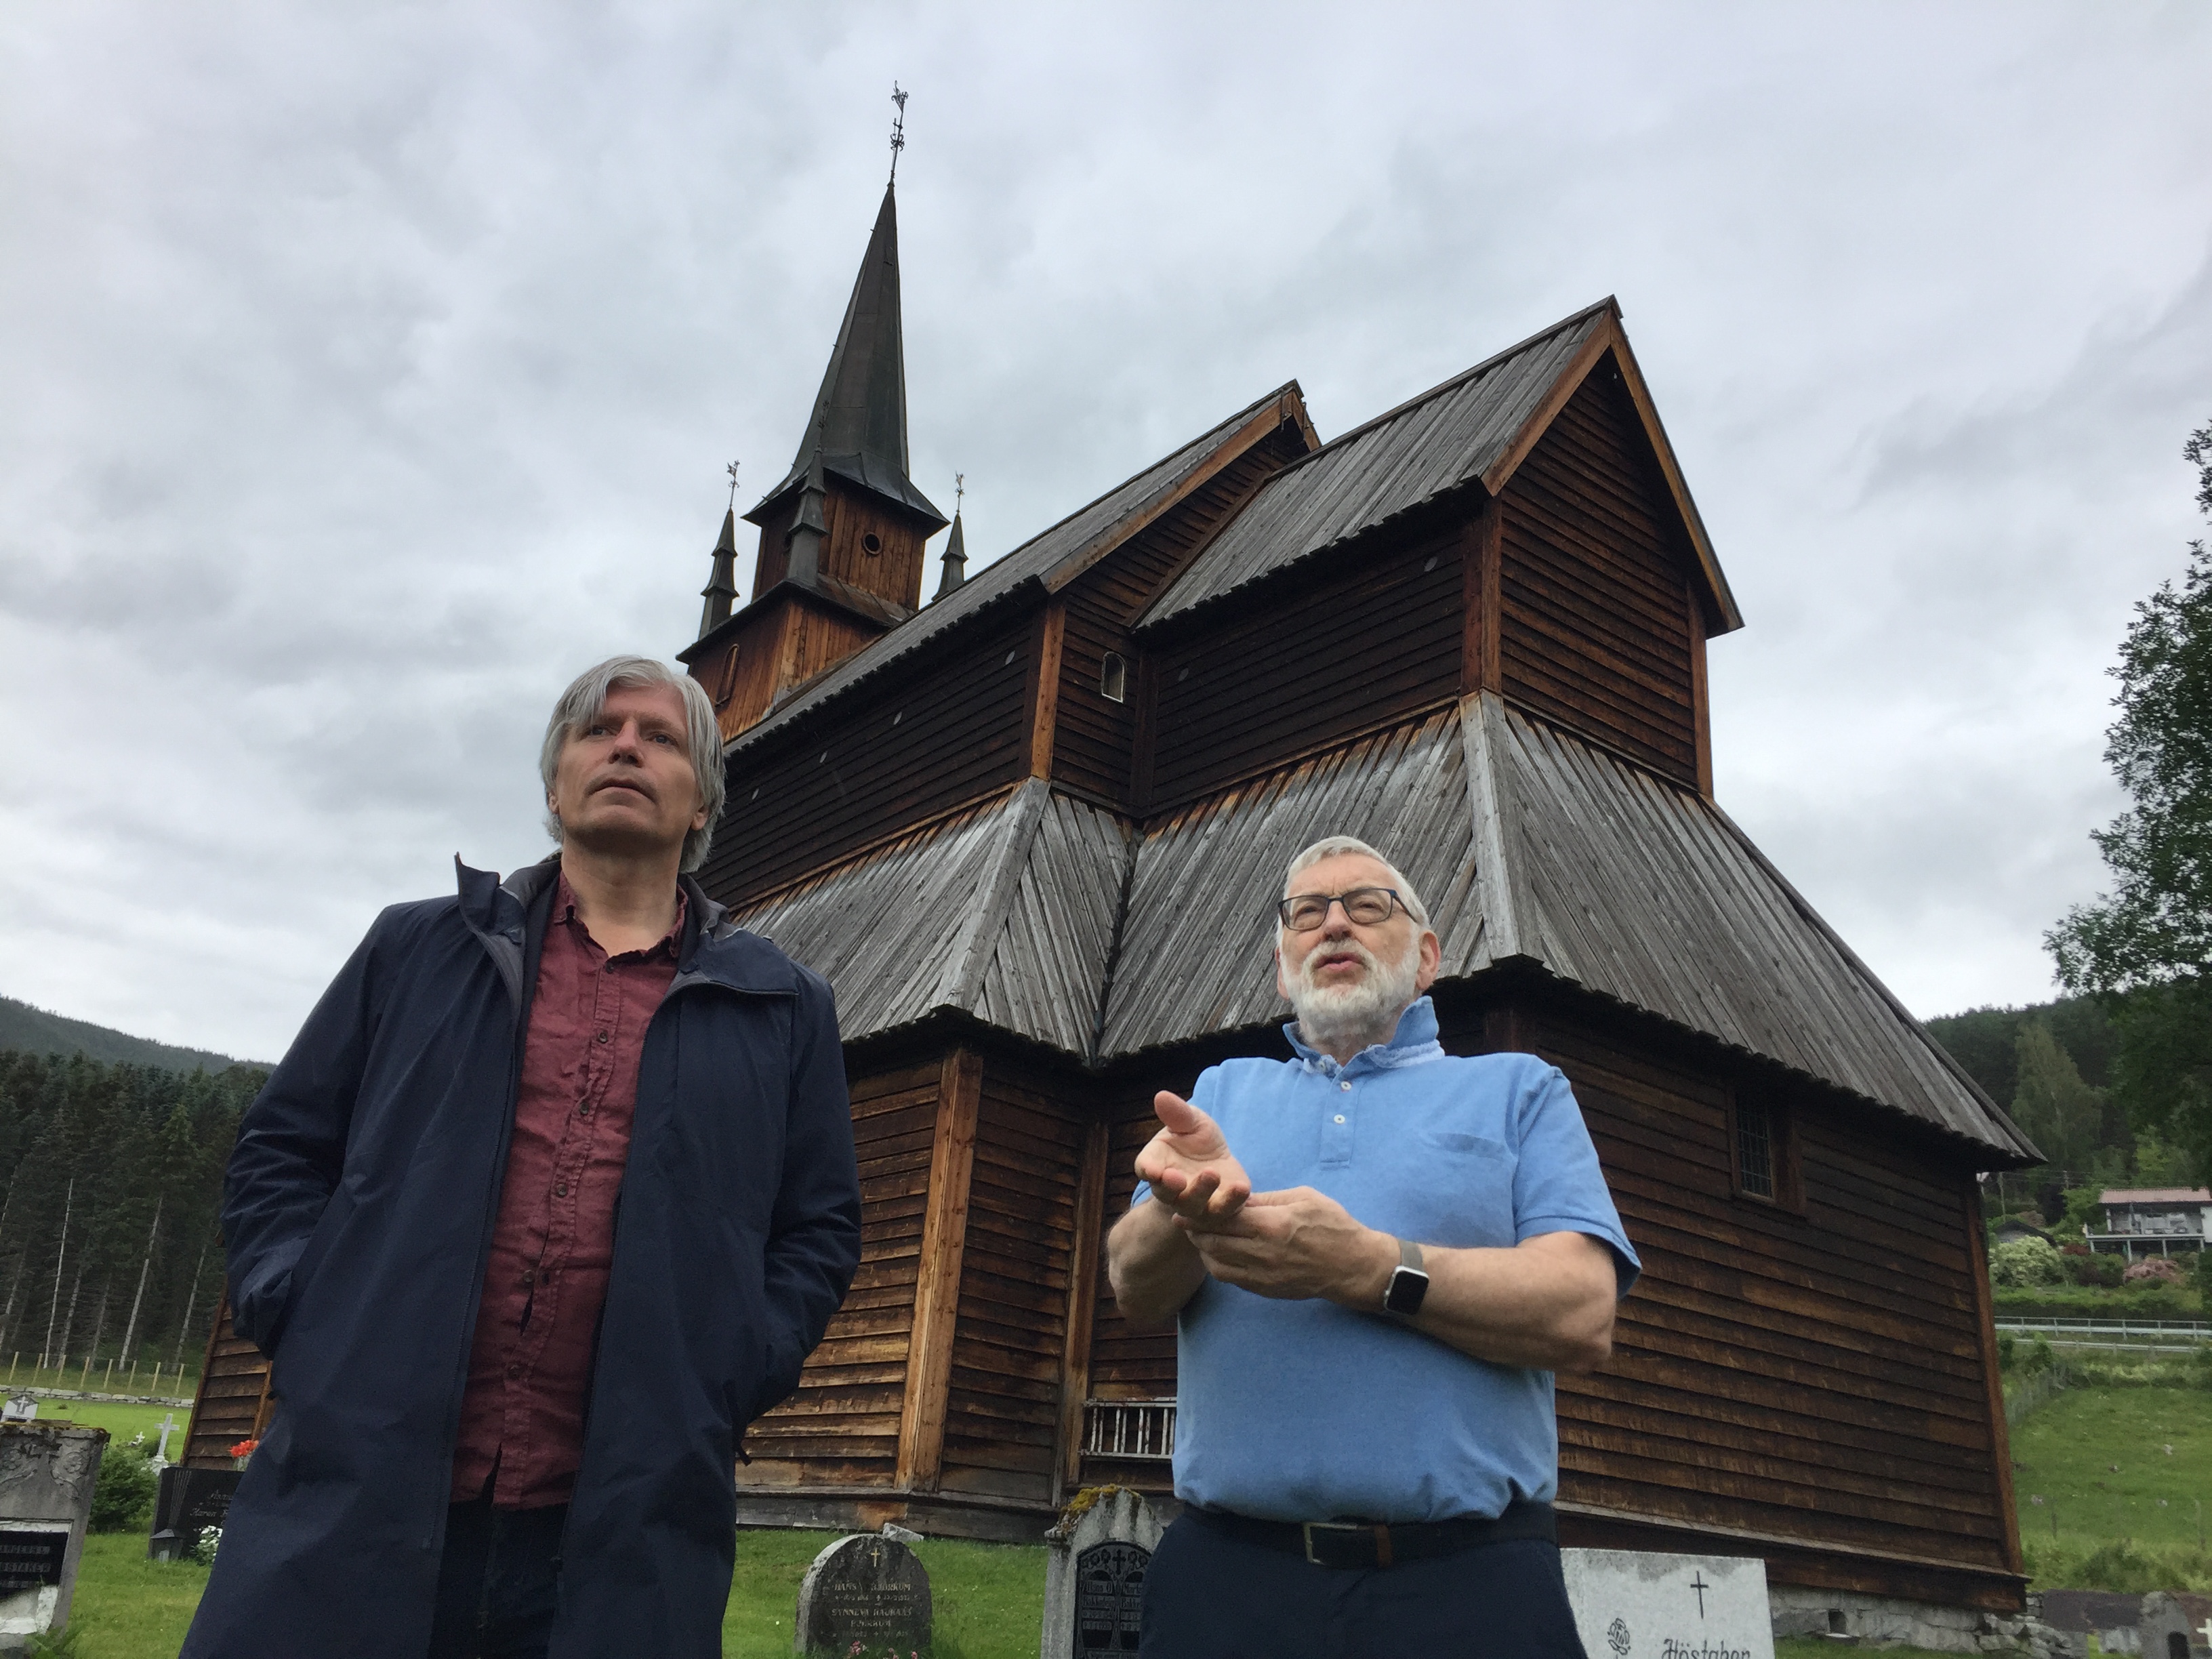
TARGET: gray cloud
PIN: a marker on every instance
(374, 369)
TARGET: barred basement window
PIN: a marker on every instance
(1754, 1149)
(1114, 678)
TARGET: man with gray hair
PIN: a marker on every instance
(549, 1199)
(1371, 1292)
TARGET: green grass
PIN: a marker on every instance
(2065, 1455)
(989, 1599)
(129, 1607)
(20, 1373)
(121, 1422)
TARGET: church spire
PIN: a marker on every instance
(857, 429)
(956, 546)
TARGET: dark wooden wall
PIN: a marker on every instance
(233, 1402)
(842, 1425)
(1595, 616)
(1002, 1411)
(1375, 638)
(897, 757)
(894, 571)
(1093, 743)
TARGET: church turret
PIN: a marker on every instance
(842, 535)
(955, 548)
(720, 592)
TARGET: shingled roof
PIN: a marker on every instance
(1528, 847)
(1037, 566)
(1468, 430)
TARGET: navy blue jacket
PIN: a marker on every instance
(358, 1210)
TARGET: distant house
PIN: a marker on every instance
(2141, 1220)
(2013, 1227)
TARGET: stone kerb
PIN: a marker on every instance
(864, 1594)
(46, 1476)
(1094, 1575)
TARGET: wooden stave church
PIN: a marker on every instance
(1038, 903)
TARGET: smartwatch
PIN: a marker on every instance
(1409, 1284)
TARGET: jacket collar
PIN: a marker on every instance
(715, 951)
(1413, 1042)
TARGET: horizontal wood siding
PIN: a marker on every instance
(227, 1408)
(1002, 1411)
(1297, 670)
(1093, 743)
(842, 1423)
(891, 759)
(1595, 611)
(1817, 1376)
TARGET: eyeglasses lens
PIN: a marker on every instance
(1365, 906)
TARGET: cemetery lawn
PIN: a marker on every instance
(2063, 1455)
(989, 1599)
(129, 1607)
(121, 1422)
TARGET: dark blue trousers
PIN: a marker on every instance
(1208, 1595)
(497, 1583)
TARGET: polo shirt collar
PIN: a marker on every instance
(1412, 1043)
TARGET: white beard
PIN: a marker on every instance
(1363, 1013)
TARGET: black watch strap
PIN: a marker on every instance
(1409, 1282)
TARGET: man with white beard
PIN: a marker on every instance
(1371, 1292)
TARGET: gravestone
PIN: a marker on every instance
(866, 1595)
(1630, 1604)
(46, 1476)
(186, 1503)
(23, 1409)
(1094, 1576)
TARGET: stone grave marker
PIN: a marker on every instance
(866, 1590)
(23, 1409)
(187, 1502)
(1630, 1604)
(47, 1475)
(1094, 1576)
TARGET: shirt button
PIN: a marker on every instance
(514, 1370)
(610, 967)
(603, 1037)
(1346, 1087)
(561, 1191)
(1339, 1117)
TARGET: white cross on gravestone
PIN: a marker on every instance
(2208, 1632)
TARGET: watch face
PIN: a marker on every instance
(1407, 1286)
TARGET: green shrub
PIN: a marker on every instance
(2005, 1343)
(123, 1495)
(2025, 1261)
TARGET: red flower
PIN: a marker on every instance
(245, 1449)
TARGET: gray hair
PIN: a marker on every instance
(586, 696)
(1331, 847)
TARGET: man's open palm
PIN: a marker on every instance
(1189, 1164)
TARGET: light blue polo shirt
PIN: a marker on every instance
(1304, 1411)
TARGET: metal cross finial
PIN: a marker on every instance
(959, 488)
(898, 128)
(731, 469)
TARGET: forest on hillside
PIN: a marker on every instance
(2050, 1066)
(108, 1229)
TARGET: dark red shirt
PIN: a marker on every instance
(522, 1414)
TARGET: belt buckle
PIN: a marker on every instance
(1310, 1528)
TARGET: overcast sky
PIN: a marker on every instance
(369, 369)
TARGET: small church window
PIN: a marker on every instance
(729, 682)
(1764, 1152)
(1754, 1148)
(872, 543)
(1114, 678)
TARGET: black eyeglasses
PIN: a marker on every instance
(1363, 905)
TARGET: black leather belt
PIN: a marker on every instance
(1370, 1544)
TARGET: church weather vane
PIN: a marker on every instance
(731, 469)
(959, 488)
(898, 128)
